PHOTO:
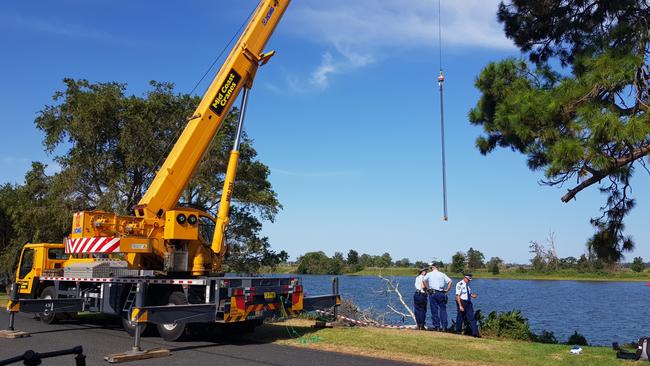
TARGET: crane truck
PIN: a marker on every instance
(162, 266)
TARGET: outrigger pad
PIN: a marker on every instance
(12, 334)
(137, 355)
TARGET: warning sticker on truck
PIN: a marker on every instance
(225, 92)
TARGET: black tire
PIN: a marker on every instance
(177, 331)
(49, 317)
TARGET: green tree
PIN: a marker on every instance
(366, 260)
(319, 263)
(475, 259)
(568, 262)
(420, 264)
(354, 262)
(108, 146)
(383, 261)
(458, 262)
(579, 109)
(353, 257)
(638, 265)
(337, 263)
(404, 262)
(313, 263)
(33, 212)
(493, 265)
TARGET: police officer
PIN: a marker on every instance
(464, 307)
(438, 286)
(420, 299)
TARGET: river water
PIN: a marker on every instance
(604, 312)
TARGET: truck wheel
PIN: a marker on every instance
(48, 316)
(175, 331)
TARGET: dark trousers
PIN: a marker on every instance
(420, 306)
(468, 315)
(438, 304)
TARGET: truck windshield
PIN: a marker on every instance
(206, 229)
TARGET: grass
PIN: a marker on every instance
(516, 274)
(281, 269)
(427, 347)
(624, 274)
(569, 274)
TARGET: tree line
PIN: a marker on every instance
(544, 259)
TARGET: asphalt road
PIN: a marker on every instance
(101, 338)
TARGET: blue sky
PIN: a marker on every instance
(346, 115)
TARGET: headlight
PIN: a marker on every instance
(181, 219)
(191, 219)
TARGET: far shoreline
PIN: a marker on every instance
(510, 274)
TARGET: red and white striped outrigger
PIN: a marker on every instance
(92, 245)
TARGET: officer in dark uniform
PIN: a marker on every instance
(420, 299)
(464, 307)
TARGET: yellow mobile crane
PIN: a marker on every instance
(163, 264)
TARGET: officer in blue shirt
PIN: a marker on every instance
(420, 300)
(438, 286)
(464, 307)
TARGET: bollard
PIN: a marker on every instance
(335, 291)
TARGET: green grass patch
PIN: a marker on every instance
(389, 271)
(510, 273)
(516, 274)
(428, 347)
(281, 269)
(567, 274)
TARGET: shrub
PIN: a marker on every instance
(545, 337)
(510, 325)
(458, 262)
(637, 265)
(318, 263)
(493, 265)
(494, 269)
(577, 339)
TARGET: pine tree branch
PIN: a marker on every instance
(597, 176)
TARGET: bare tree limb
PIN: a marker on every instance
(394, 288)
(397, 311)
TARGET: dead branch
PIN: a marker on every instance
(392, 287)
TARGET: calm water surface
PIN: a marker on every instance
(603, 312)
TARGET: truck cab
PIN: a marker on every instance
(34, 260)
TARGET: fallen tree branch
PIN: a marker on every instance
(395, 288)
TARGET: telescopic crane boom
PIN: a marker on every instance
(237, 72)
(162, 236)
